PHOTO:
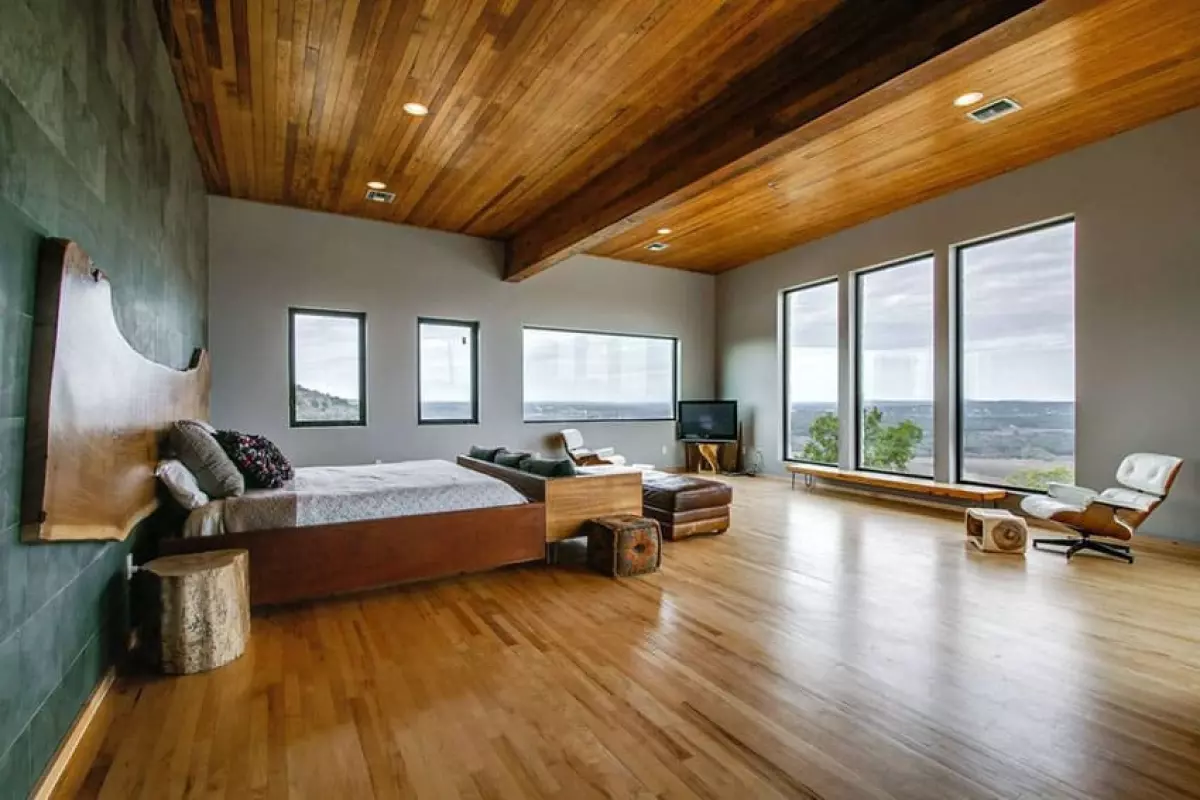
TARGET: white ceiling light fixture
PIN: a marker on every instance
(657, 247)
(663, 231)
(377, 185)
(416, 109)
(968, 99)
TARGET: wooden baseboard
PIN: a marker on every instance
(70, 745)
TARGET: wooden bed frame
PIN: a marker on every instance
(291, 564)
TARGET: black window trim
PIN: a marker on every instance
(858, 360)
(473, 327)
(957, 341)
(361, 318)
(674, 374)
(787, 350)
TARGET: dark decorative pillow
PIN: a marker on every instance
(484, 453)
(508, 458)
(549, 467)
(256, 457)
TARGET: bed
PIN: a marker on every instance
(333, 495)
(98, 410)
(336, 530)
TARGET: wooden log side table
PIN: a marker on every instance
(996, 530)
(623, 545)
(201, 618)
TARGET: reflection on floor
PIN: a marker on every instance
(824, 647)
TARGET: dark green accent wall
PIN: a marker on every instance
(93, 147)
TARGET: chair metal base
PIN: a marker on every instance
(1074, 545)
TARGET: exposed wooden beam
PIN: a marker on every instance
(862, 55)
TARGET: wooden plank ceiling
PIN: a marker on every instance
(299, 101)
(1108, 69)
(555, 124)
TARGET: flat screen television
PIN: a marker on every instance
(708, 420)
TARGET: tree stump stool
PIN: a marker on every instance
(201, 618)
(623, 545)
(996, 530)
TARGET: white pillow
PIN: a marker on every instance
(181, 483)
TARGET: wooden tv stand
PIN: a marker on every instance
(712, 457)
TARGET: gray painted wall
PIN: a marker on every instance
(264, 259)
(93, 147)
(1136, 199)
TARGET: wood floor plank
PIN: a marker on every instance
(824, 647)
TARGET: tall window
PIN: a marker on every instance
(328, 371)
(895, 363)
(572, 376)
(1017, 358)
(448, 372)
(811, 373)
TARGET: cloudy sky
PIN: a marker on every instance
(327, 354)
(562, 366)
(1018, 331)
(445, 364)
(558, 365)
(1018, 326)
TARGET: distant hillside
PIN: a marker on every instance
(315, 406)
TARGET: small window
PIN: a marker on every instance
(448, 372)
(810, 368)
(328, 370)
(576, 376)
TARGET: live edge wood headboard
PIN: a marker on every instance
(97, 408)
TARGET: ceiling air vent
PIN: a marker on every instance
(377, 196)
(995, 109)
(657, 247)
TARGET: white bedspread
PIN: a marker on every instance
(329, 495)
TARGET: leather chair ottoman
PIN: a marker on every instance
(685, 505)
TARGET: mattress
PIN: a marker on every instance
(331, 495)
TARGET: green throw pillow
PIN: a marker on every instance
(508, 458)
(549, 467)
(484, 453)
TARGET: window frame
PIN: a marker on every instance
(361, 318)
(787, 351)
(858, 359)
(674, 340)
(473, 327)
(957, 251)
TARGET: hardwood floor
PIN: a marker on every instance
(824, 647)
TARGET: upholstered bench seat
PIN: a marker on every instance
(685, 505)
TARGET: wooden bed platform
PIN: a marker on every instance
(292, 564)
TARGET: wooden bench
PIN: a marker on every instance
(956, 491)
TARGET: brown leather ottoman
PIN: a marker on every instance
(685, 505)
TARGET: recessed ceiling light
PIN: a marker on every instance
(416, 109)
(657, 247)
(376, 185)
(663, 231)
(968, 99)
